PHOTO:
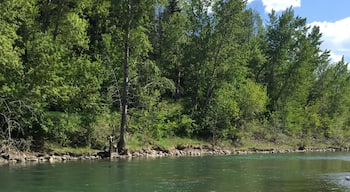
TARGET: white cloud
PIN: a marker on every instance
(336, 37)
(249, 1)
(279, 5)
(334, 57)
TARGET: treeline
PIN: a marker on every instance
(196, 68)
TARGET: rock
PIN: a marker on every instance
(42, 159)
(32, 158)
(65, 158)
(114, 155)
(136, 154)
(51, 159)
(15, 157)
(3, 161)
(103, 154)
(160, 149)
(5, 156)
(12, 161)
(20, 159)
(181, 147)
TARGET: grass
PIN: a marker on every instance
(137, 142)
(285, 142)
(169, 143)
(262, 145)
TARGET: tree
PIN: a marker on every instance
(134, 25)
(216, 58)
(293, 56)
(61, 77)
(171, 41)
(16, 108)
(124, 101)
(330, 100)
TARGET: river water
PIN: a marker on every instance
(256, 172)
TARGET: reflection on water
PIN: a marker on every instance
(338, 180)
(257, 172)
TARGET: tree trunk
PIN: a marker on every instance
(59, 15)
(122, 149)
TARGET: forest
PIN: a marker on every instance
(73, 72)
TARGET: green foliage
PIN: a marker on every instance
(332, 102)
(339, 130)
(165, 119)
(252, 100)
(59, 125)
(197, 69)
(106, 123)
(289, 72)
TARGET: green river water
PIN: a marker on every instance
(256, 172)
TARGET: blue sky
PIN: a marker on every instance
(332, 16)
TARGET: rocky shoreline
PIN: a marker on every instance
(153, 152)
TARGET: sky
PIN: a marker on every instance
(332, 16)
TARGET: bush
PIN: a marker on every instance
(60, 126)
(163, 120)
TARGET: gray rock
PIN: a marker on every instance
(32, 158)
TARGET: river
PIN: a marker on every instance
(255, 172)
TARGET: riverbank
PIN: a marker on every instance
(151, 152)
